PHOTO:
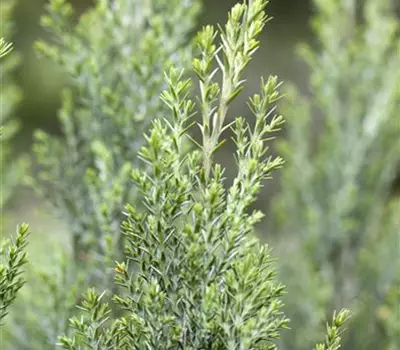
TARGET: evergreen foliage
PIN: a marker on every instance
(194, 277)
(333, 207)
(13, 258)
(334, 332)
(116, 56)
(191, 274)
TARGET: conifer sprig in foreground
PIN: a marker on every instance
(194, 276)
(5, 47)
(114, 56)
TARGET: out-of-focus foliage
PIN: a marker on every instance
(342, 151)
(11, 170)
(13, 257)
(115, 55)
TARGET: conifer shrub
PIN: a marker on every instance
(334, 213)
(190, 273)
(115, 56)
(194, 276)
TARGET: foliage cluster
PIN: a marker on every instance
(115, 56)
(13, 258)
(192, 277)
(190, 272)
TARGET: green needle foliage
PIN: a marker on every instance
(332, 214)
(13, 258)
(334, 332)
(194, 275)
(11, 170)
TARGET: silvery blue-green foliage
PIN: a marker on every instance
(194, 276)
(115, 56)
(334, 332)
(11, 170)
(13, 257)
(332, 209)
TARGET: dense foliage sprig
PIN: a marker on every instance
(334, 332)
(115, 55)
(194, 276)
(13, 258)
